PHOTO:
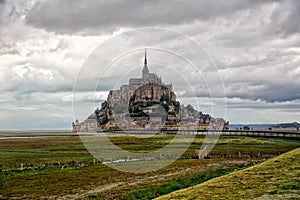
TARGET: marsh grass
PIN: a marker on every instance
(276, 176)
(167, 187)
(80, 174)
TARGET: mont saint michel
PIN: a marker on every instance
(147, 103)
(131, 100)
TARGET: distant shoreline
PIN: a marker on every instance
(231, 126)
(36, 131)
(10, 134)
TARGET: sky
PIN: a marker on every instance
(246, 61)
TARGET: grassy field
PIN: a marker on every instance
(40, 151)
(277, 178)
(37, 152)
(62, 168)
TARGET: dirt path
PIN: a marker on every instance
(130, 182)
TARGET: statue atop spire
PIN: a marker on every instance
(145, 62)
(145, 69)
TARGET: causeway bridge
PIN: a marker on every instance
(293, 134)
(253, 133)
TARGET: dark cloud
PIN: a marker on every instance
(268, 93)
(68, 16)
(289, 106)
(260, 69)
(279, 87)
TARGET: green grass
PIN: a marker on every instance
(51, 181)
(231, 145)
(79, 174)
(42, 151)
(151, 192)
(275, 178)
(36, 151)
(225, 145)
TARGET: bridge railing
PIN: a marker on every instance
(254, 133)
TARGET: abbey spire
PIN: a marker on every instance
(145, 69)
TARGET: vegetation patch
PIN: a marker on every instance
(279, 175)
(62, 167)
(173, 185)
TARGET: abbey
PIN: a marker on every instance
(146, 102)
(130, 106)
(126, 91)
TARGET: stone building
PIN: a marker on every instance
(88, 125)
(122, 96)
(146, 102)
(153, 92)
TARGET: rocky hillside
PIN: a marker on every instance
(153, 106)
(150, 105)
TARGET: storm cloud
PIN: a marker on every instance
(44, 44)
(69, 16)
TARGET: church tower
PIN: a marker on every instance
(145, 72)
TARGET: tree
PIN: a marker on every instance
(104, 105)
(166, 107)
(97, 111)
(103, 120)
